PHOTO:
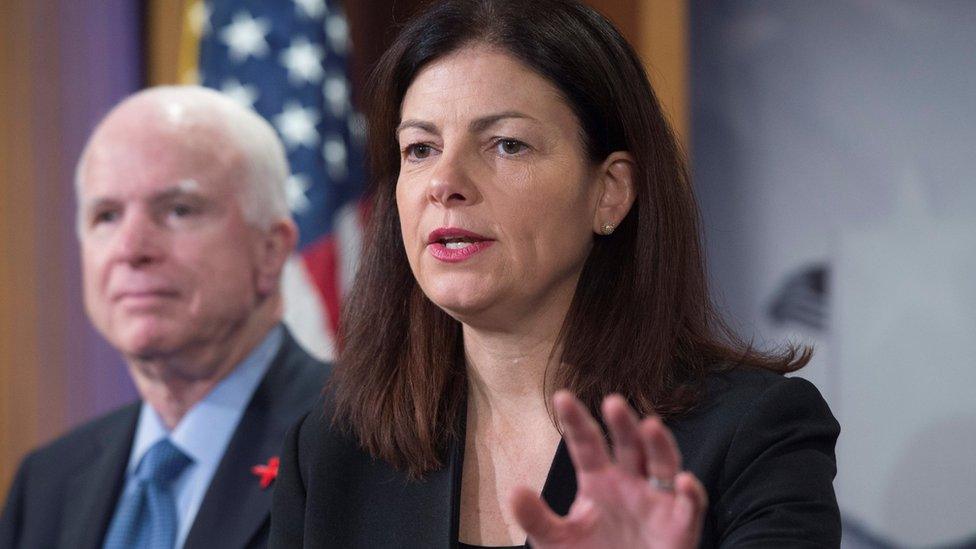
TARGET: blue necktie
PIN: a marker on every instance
(146, 517)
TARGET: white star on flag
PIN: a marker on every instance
(334, 151)
(310, 8)
(303, 60)
(199, 18)
(295, 187)
(336, 94)
(297, 125)
(288, 60)
(337, 30)
(244, 36)
(244, 94)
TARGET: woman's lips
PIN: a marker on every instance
(453, 245)
(457, 252)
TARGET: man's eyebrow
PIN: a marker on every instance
(181, 190)
(97, 202)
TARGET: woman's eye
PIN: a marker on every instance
(510, 146)
(418, 151)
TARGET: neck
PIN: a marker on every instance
(507, 370)
(173, 384)
(507, 357)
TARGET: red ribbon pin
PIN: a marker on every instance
(266, 473)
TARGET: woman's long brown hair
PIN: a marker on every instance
(641, 322)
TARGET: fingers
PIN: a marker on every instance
(584, 440)
(628, 450)
(663, 460)
(690, 503)
(641, 449)
(644, 448)
(534, 516)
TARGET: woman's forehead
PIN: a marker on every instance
(480, 81)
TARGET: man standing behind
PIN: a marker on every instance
(184, 232)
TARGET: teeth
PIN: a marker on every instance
(456, 245)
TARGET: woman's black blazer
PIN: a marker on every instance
(762, 444)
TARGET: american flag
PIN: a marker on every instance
(287, 59)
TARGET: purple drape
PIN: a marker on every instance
(98, 54)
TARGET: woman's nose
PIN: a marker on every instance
(451, 182)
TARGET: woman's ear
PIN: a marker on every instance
(273, 249)
(616, 181)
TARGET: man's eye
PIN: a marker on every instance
(105, 216)
(510, 146)
(418, 151)
(181, 210)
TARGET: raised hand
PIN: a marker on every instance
(639, 497)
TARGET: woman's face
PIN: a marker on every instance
(496, 196)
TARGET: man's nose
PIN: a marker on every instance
(138, 240)
(451, 183)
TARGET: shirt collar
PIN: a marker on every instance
(216, 415)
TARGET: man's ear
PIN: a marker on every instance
(274, 246)
(617, 191)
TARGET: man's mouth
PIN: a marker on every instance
(144, 294)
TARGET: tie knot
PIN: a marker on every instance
(162, 463)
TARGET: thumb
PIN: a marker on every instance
(534, 516)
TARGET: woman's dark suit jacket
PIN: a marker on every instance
(762, 444)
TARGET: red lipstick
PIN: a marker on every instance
(453, 245)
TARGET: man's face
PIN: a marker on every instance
(169, 262)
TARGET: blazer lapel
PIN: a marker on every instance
(455, 468)
(559, 490)
(95, 490)
(414, 513)
(235, 506)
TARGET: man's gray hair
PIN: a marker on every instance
(263, 199)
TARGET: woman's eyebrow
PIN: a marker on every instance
(485, 122)
(476, 126)
(415, 123)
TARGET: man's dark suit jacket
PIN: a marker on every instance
(65, 494)
(762, 444)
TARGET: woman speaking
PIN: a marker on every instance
(532, 263)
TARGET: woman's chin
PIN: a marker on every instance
(464, 305)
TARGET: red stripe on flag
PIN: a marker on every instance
(322, 262)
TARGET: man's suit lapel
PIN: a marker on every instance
(93, 493)
(235, 506)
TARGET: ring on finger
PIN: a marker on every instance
(663, 485)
